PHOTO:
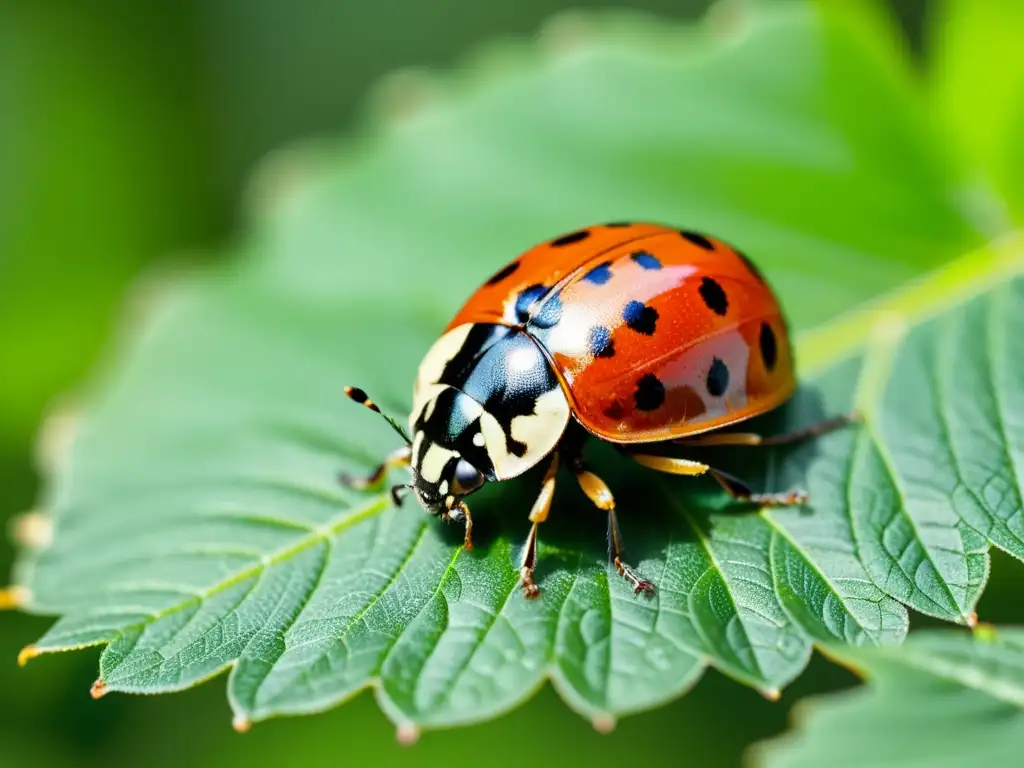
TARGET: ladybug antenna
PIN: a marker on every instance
(355, 393)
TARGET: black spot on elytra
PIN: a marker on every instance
(718, 378)
(502, 273)
(600, 274)
(549, 314)
(515, 447)
(769, 346)
(697, 239)
(600, 342)
(645, 259)
(650, 392)
(640, 318)
(572, 237)
(615, 411)
(526, 299)
(713, 296)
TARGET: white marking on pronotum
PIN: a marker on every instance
(423, 404)
(440, 354)
(434, 461)
(542, 429)
(478, 440)
(540, 432)
(417, 443)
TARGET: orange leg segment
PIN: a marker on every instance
(394, 460)
(538, 514)
(600, 494)
(732, 485)
(752, 439)
(460, 512)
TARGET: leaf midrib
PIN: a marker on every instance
(781, 531)
(869, 433)
(324, 532)
(761, 680)
(943, 357)
(993, 361)
(342, 636)
(951, 284)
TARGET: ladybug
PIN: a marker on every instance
(640, 335)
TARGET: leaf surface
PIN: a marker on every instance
(941, 699)
(198, 525)
(977, 85)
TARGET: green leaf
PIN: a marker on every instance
(941, 699)
(198, 525)
(978, 89)
(761, 134)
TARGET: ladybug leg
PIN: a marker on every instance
(750, 438)
(460, 513)
(732, 485)
(599, 493)
(538, 515)
(395, 459)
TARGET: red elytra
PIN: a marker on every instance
(692, 299)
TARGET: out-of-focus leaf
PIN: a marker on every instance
(198, 525)
(942, 699)
(755, 129)
(978, 87)
(102, 169)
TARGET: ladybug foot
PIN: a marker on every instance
(787, 499)
(639, 585)
(353, 482)
(644, 586)
(460, 514)
(530, 590)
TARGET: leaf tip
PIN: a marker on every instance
(28, 653)
(56, 434)
(99, 689)
(32, 530)
(727, 19)
(772, 694)
(566, 33)
(985, 633)
(407, 734)
(603, 723)
(405, 94)
(241, 723)
(13, 597)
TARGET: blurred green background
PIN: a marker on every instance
(127, 133)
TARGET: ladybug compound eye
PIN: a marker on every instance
(467, 478)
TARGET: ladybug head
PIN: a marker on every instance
(449, 458)
(486, 407)
(444, 496)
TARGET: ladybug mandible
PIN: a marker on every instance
(636, 334)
